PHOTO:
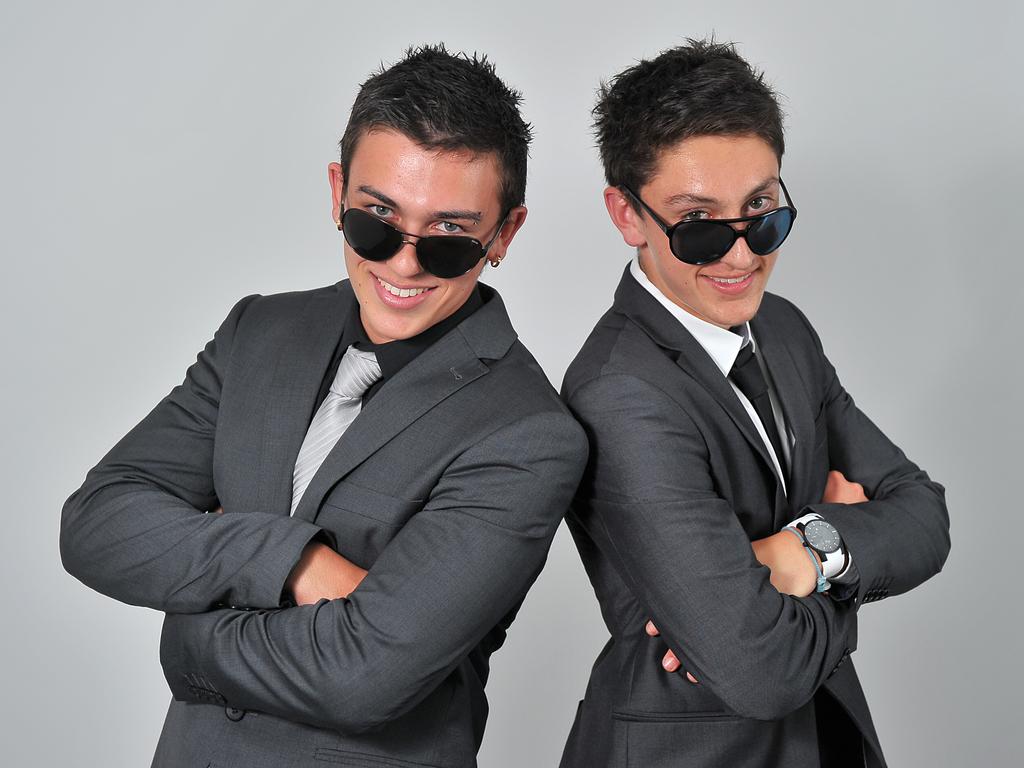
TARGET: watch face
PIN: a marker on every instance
(822, 536)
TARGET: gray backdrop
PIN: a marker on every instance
(161, 161)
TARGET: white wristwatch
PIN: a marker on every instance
(819, 535)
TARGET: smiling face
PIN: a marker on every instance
(716, 177)
(423, 192)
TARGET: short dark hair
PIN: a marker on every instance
(445, 101)
(698, 89)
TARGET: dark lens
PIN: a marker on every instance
(767, 233)
(448, 256)
(700, 242)
(370, 237)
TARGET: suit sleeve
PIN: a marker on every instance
(650, 502)
(446, 579)
(137, 529)
(900, 537)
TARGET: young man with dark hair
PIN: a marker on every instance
(722, 442)
(342, 507)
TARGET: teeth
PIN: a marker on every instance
(400, 292)
(731, 280)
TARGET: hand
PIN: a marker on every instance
(839, 490)
(786, 557)
(322, 573)
(670, 661)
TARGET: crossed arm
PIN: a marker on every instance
(652, 505)
(451, 574)
(137, 530)
(792, 572)
(320, 574)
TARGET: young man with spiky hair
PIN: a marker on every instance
(342, 507)
(738, 508)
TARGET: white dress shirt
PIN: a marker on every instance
(723, 346)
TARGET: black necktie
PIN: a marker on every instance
(746, 374)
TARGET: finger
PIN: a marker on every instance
(691, 678)
(651, 629)
(670, 662)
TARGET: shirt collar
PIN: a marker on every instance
(395, 355)
(722, 345)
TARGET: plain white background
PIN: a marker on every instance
(159, 161)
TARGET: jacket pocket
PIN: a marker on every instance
(715, 738)
(364, 759)
(631, 716)
(362, 521)
(371, 504)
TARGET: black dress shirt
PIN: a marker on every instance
(392, 355)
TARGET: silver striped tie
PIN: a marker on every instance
(357, 372)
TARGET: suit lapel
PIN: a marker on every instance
(697, 363)
(298, 372)
(643, 309)
(796, 405)
(440, 371)
(448, 365)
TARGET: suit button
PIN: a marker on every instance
(234, 714)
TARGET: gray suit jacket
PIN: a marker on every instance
(448, 487)
(678, 484)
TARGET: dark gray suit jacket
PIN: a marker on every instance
(448, 487)
(678, 484)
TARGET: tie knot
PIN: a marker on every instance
(743, 357)
(747, 373)
(357, 372)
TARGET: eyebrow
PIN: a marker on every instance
(684, 197)
(379, 195)
(474, 216)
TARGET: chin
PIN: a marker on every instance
(742, 312)
(396, 329)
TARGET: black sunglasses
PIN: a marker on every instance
(440, 255)
(701, 241)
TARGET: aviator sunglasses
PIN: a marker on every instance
(702, 241)
(441, 255)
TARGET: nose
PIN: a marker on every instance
(404, 262)
(740, 257)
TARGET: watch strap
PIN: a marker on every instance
(822, 582)
(834, 565)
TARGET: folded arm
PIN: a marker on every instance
(447, 578)
(900, 537)
(792, 572)
(137, 529)
(651, 504)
